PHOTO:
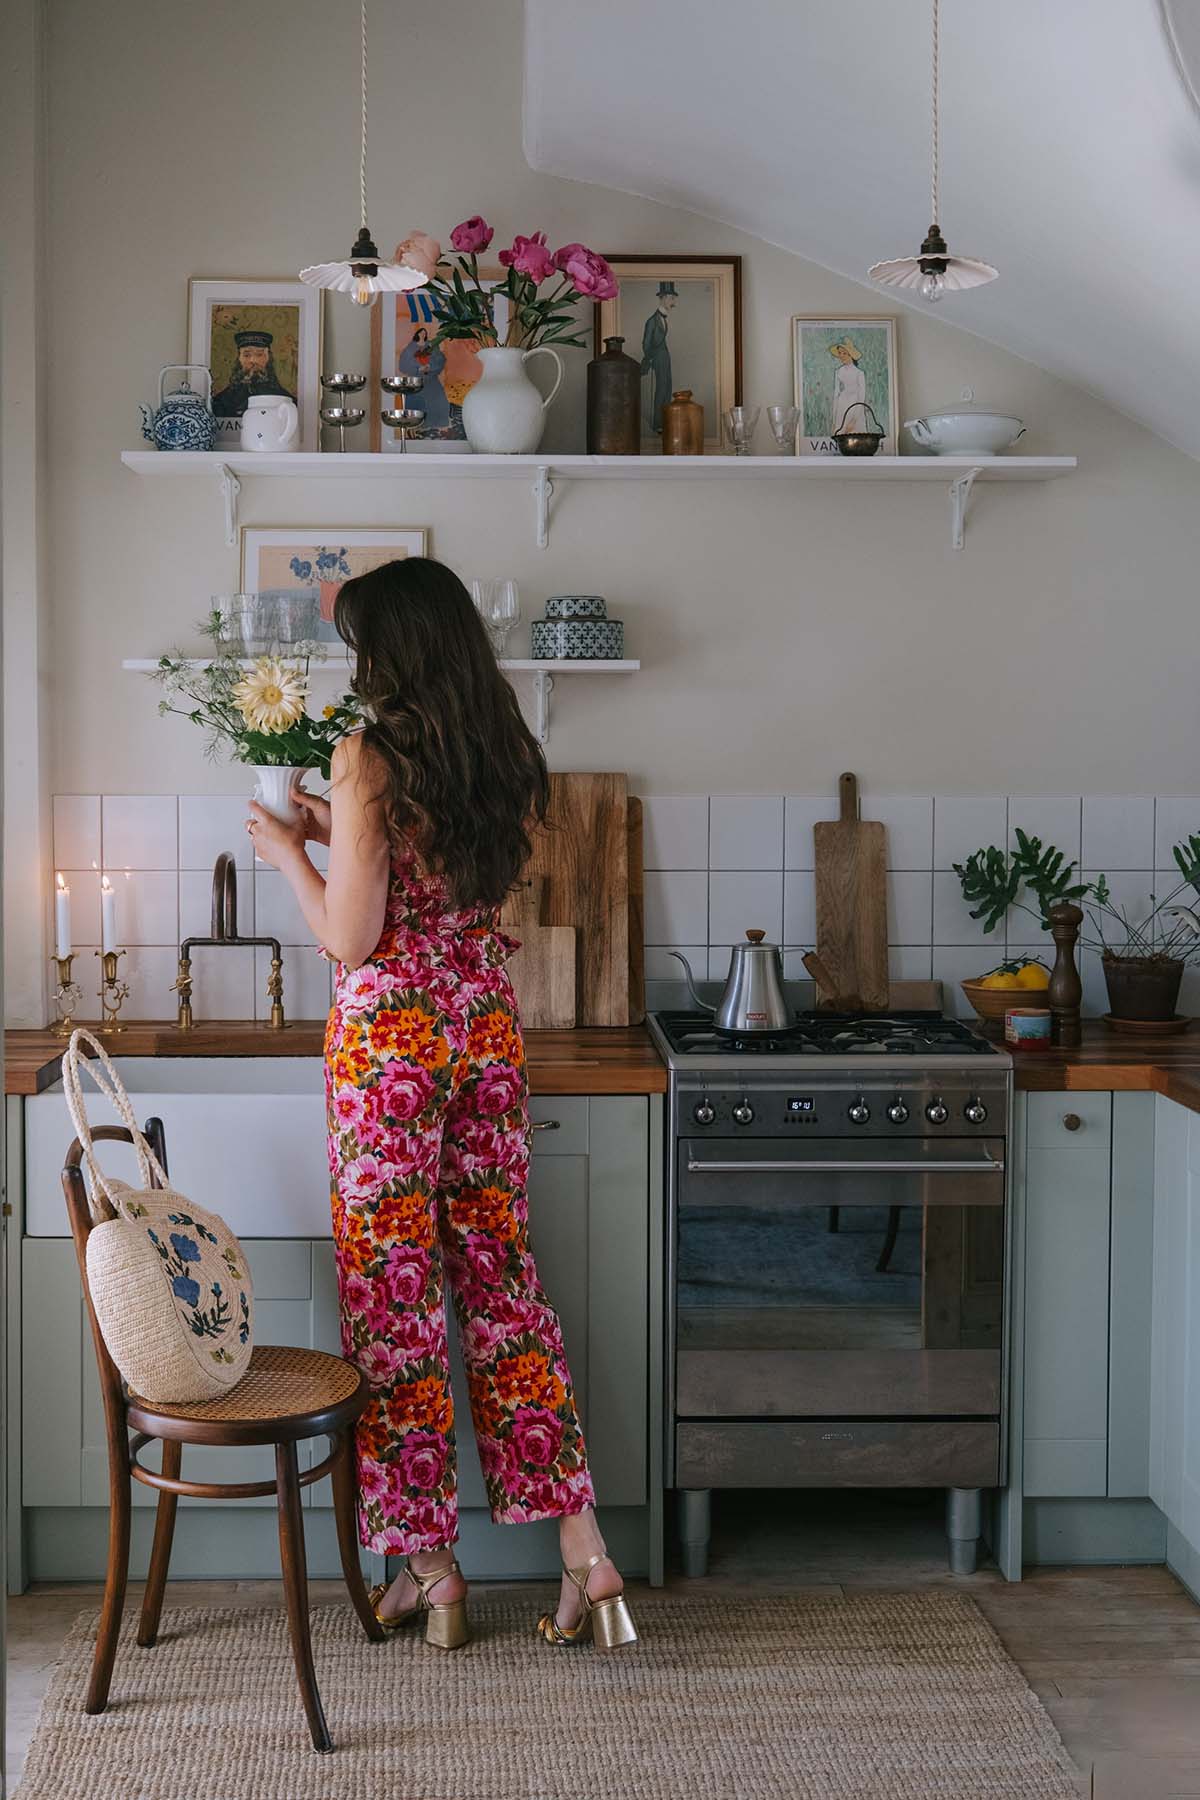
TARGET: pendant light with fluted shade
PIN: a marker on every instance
(365, 274)
(933, 272)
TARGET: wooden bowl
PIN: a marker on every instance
(992, 1003)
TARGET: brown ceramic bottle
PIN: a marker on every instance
(614, 403)
(683, 425)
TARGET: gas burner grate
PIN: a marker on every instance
(828, 1034)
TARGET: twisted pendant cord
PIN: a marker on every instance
(362, 163)
(936, 60)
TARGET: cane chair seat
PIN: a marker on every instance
(288, 1391)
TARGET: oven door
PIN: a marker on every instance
(838, 1279)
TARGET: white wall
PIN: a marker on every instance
(785, 634)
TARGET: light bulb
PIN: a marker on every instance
(364, 292)
(932, 288)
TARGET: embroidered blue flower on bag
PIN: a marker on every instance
(184, 1288)
(185, 1248)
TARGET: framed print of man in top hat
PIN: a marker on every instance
(656, 352)
(685, 312)
(257, 337)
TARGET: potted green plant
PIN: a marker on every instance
(1143, 960)
(256, 710)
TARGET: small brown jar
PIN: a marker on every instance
(614, 402)
(683, 425)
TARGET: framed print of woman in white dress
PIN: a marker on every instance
(838, 364)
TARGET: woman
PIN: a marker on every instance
(428, 826)
(849, 387)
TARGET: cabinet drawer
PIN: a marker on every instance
(1047, 1112)
(560, 1125)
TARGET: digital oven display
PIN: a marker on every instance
(801, 1103)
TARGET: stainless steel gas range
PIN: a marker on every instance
(836, 1253)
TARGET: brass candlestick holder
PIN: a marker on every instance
(113, 991)
(67, 996)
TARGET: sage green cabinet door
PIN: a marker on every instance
(1067, 1210)
(51, 1373)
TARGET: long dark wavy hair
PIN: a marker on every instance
(466, 779)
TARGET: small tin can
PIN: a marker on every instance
(1027, 1028)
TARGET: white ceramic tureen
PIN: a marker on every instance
(964, 431)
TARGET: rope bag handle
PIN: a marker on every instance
(103, 1073)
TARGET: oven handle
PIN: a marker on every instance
(848, 1166)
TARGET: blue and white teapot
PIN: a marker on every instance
(184, 420)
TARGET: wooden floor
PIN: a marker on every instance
(1114, 1653)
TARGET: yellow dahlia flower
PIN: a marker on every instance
(271, 696)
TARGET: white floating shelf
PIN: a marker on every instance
(543, 673)
(544, 471)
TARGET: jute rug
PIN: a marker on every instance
(875, 1695)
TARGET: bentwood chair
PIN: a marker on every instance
(285, 1396)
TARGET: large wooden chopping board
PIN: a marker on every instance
(851, 865)
(542, 971)
(582, 853)
(637, 915)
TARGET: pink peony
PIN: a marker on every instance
(487, 1259)
(372, 1478)
(347, 1107)
(364, 1178)
(499, 1089)
(537, 1434)
(363, 988)
(421, 1462)
(379, 1363)
(405, 1090)
(416, 1336)
(473, 235)
(419, 251)
(406, 1274)
(529, 256)
(358, 1294)
(588, 273)
(481, 1338)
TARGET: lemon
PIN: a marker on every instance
(998, 980)
(1032, 975)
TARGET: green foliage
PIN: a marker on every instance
(989, 878)
(466, 307)
(993, 880)
(1047, 874)
(1187, 856)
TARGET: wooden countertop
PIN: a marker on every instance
(1115, 1060)
(590, 1060)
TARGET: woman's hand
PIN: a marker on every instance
(274, 841)
(317, 812)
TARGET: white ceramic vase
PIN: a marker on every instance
(503, 414)
(272, 789)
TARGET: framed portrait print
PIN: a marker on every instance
(301, 556)
(258, 337)
(681, 317)
(403, 327)
(839, 365)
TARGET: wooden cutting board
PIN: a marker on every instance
(637, 915)
(543, 969)
(582, 854)
(851, 865)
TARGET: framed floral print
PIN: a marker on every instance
(258, 337)
(842, 366)
(302, 556)
(681, 317)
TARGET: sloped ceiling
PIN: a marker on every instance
(1070, 155)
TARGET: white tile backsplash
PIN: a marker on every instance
(210, 823)
(1118, 832)
(745, 831)
(195, 903)
(1132, 898)
(146, 906)
(140, 831)
(800, 813)
(76, 831)
(952, 921)
(662, 966)
(675, 831)
(307, 983)
(800, 908)
(1174, 822)
(1055, 819)
(277, 911)
(744, 900)
(223, 982)
(676, 906)
(908, 819)
(955, 963)
(910, 962)
(963, 823)
(909, 907)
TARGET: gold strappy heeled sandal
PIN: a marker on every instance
(608, 1620)
(445, 1623)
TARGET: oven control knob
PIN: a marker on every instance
(937, 1112)
(704, 1112)
(859, 1112)
(897, 1112)
(975, 1112)
(743, 1113)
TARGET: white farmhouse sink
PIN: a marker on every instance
(245, 1136)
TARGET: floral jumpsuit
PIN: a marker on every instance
(429, 1141)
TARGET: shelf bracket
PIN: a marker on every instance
(543, 488)
(230, 487)
(960, 494)
(543, 684)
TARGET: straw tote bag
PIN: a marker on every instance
(169, 1282)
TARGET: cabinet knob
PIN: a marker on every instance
(1071, 1121)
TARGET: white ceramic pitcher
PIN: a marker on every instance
(503, 414)
(271, 422)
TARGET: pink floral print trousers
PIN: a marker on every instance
(429, 1141)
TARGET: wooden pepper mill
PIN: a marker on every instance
(1066, 989)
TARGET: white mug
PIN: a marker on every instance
(271, 422)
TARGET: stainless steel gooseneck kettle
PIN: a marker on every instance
(753, 999)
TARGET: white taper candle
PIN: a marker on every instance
(62, 918)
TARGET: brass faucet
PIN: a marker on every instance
(225, 931)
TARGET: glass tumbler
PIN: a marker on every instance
(499, 606)
(783, 421)
(740, 425)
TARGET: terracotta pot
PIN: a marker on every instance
(1142, 987)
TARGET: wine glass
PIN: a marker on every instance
(783, 421)
(740, 425)
(499, 606)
